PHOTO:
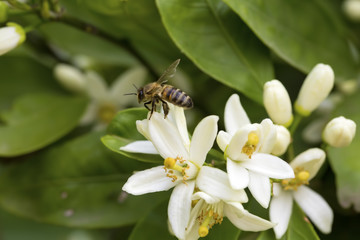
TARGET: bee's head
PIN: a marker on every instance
(140, 94)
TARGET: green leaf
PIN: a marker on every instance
(76, 184)
(299, 228)
(36, 120)
(153, 226)
(219, 43)
(77, 42)
(124, 123)
(136, 21)
(122, 131)
(303, 33)
(114, 143)
(345, 161)
(23, 75)
(16, 228)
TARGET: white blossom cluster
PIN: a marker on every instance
(204, 194)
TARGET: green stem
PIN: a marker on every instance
(295, 124)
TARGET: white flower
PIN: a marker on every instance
(277, 103)
(216, 200)
(306, 165)
(247, 148)
(105, 101)
(181, 165)
(339, 132)
(11, 37)
(176, 116)
(315, 89)
(283, 139)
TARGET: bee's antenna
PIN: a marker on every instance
(130, 94)
(135, 87)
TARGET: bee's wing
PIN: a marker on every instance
(169, 72)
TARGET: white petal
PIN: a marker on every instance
(90, 114)
(124, 84)
(238, 175)
(269, 165)
(311, 160)
(179, 208)
(192, 231)
(206, 197)
(203, 139)
(280, 212)
(234, 149)
(177, 116)
(223, 139)
(143, 128)
(215, 182)
(315, 207)
(148, 181)
(235, 115)
(244, 220)
(260, 188)
(166, 138)
(96, 86)
(268, 136)
(140, 147)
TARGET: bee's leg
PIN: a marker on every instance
(165, 107)
(145, 105)
(153, 106)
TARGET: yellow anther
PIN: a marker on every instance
(303, 176)
(253, 139)
(169, 162)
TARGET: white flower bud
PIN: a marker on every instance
(315, 89)
(283, 139)
(11, 37)
(277, 103)
(70, 77)
(352, 9)
(339, 132)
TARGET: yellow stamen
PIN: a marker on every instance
(170, 164)
(250, 146)
(204, 229)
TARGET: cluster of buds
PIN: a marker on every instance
(339, 132)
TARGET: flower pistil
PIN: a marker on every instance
(301, 178)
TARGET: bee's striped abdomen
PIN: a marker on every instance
(176, 97)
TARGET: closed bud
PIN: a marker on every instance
(352, 9)
(315, 89)
(70, 77)
(283, 139)
(11, 37)
(277, 103)
(3, 12)
(339, 132)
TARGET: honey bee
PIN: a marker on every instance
(159, 93)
